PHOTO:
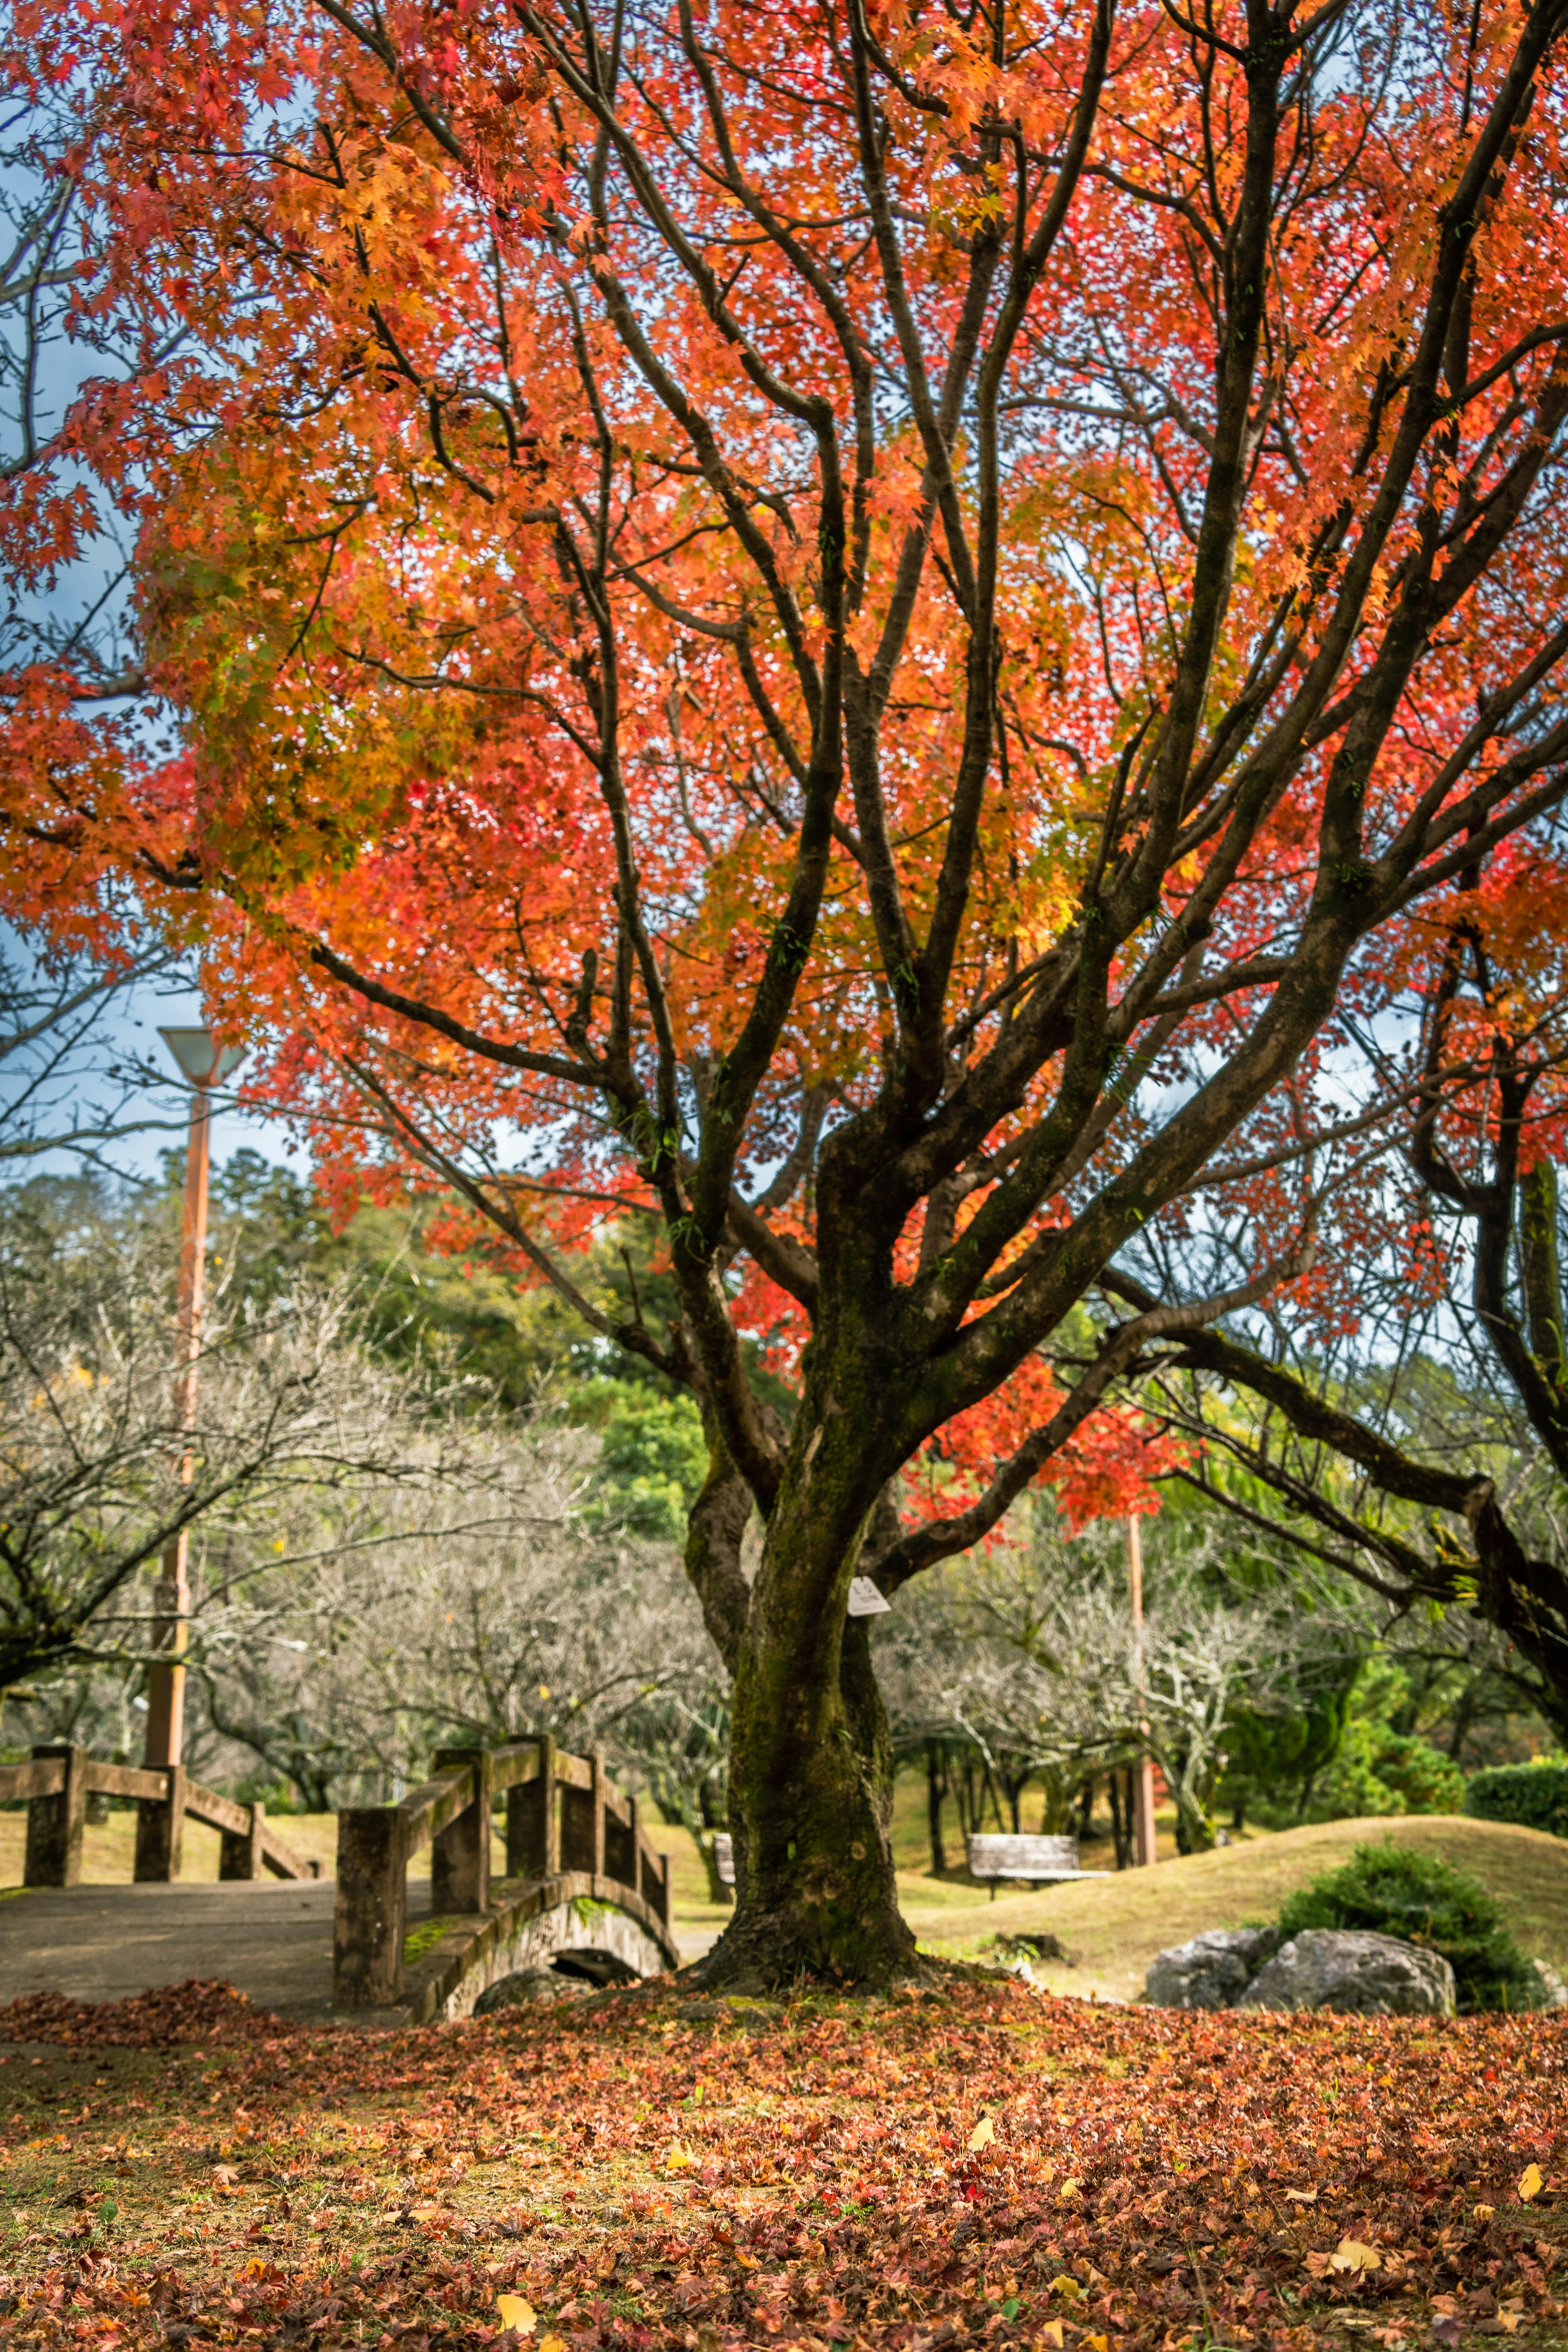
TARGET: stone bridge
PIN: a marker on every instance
(584, 1893)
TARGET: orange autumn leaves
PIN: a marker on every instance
(981, 2165)
(418, 515)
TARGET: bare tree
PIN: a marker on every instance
(68, 1085)
(1027, 1654)
(98, 1477)
(480, 1609)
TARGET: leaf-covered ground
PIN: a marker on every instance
(644, 2170)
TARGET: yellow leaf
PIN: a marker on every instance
(1302, 2196)
(983, 2135)
(1530, 2183)
(1067, 2189)
(1067, 2286)
(1352, 2254)
(1483, 2213)
(553, 2344)
(1097, 2343)
(515, 2313)
(1051, 2333)
(680, 2159)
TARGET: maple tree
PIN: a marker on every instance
(1484, 1440)
(871, 635)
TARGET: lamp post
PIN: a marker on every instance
(1144, 1770)
(202, 1063)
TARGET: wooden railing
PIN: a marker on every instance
(59, 1781)
(564, 1820)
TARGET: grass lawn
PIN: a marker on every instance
(1112, 1927)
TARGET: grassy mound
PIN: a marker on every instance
(1113, 1927)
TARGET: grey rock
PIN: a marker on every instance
(1553, 1991)
(529, 1985)
(1211, 1972)
(1355, 1972)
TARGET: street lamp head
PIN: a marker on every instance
(201, 1060)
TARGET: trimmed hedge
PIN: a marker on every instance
(1395, 1891)
(1534, 1795)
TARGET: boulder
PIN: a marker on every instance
(1354, 1972)
(1211, 1972)
(529, 1985)
(1553, 1991)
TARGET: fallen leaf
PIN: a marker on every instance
(1051, 2333)
(1354, 2254)
(553, 2344)
(1302, 2196)
(1067, 2189)
(1531, 2183)
(1097, 2343)
(680, 2159)
(515, 2313)
(983, 2135)
(1483, 2213)
(1067, 2286)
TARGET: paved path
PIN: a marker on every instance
(104, 1943)
(272, 1940)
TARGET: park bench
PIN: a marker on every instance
(1041, 1859)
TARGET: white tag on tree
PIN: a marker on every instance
(864, 1601)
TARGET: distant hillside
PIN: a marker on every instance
(1113, 1927)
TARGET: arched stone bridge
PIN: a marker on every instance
(583, 1886)
(584, 1893)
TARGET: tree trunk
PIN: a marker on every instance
(1119, 1783)
(810, 1761)
(936, 1790)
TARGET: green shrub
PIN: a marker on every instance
(1394, 1891)
(1534, 1795)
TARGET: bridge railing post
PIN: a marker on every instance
(460, 1854)
(55, 1823)
(240, 1850)
(596, 1793)
(370, 1919)
(161, 1831)
(550, 1799)
(532, 1825)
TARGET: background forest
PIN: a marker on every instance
(466, 1523)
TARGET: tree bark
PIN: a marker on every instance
(936, 1793)
(811, 1768)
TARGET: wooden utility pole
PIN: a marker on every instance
(1143, 1769)
(203, 1065)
